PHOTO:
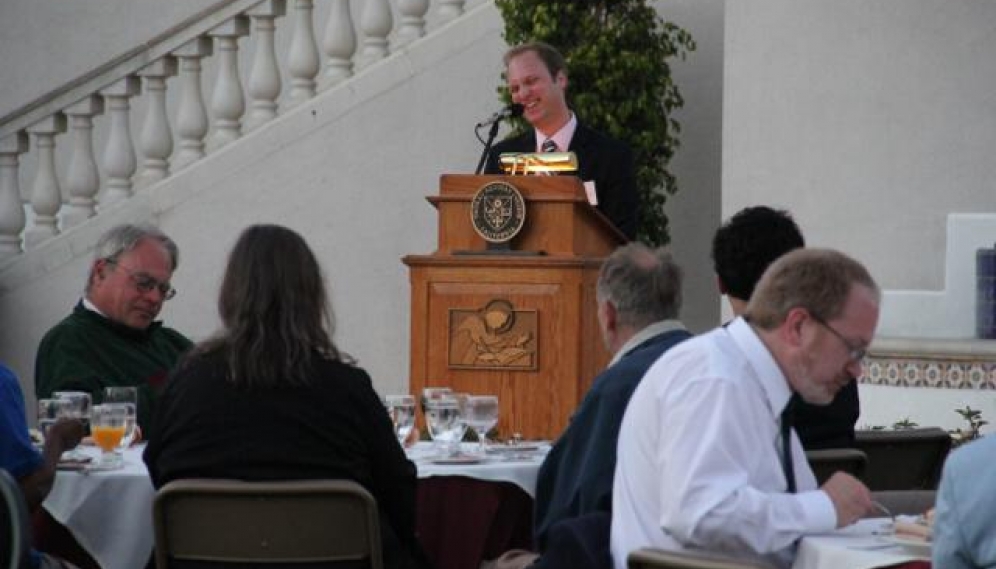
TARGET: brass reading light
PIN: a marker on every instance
(525, 163)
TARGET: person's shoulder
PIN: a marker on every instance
(600, 138)
(973, 455)
(515, 142)
(174, 337)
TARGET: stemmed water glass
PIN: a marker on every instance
(480, 413)
(446, 426)
(401, 408)
(107, 426)
(128, 397)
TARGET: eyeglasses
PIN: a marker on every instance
(854, 353)
(145, 283)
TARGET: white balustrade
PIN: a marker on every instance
(450, 9)
(264, 78)
(339, 43)
(82, 177)
(191, 119)
(375, 22)
(227, 103)
(12, 218)
(412, 21)
(302, 59)
(46, 197)
(119, 156)
(81, 186)
(156, 138)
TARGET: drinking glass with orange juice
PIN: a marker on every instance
(108, 423)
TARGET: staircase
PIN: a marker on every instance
(245, 114)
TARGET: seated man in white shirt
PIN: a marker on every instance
(701, 461)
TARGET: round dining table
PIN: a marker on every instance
(468, 508)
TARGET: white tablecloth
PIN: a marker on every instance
(110, 513)
(864, 545)
(518, 468)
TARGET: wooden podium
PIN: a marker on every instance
(520, 324)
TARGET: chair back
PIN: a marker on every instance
(284, 522)
(908, 502)
(14, 537)
(904, 459)
(652, 558)
(825, 462)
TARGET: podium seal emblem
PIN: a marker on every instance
(498, 212)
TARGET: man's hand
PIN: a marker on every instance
(65, 434)
(851, 499)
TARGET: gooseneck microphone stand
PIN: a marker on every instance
(487, 145)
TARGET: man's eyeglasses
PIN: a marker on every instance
(145, 283)
(854, 353)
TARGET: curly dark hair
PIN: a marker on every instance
(747, 243)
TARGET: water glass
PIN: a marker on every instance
(50, 411)
(127, 396)
(446, 426)
(401, 408)
(480, 413)
(78, 404)
(108, 423)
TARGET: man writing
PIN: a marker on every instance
(537, 79)
(707, 458)
(742, 249)
(111, 338)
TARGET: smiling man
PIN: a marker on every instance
(537, 79)
(707, 459)
(112, 337)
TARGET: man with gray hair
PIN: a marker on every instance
(639, 298)
(111, 338)
(707, 456)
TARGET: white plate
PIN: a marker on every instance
(458, 459)
(914, 546)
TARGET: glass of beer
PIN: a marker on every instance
(108, 423)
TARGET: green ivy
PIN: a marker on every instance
(617, 54)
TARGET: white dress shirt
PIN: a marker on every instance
(699, 456)
(562, 137)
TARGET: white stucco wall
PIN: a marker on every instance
(870, 121)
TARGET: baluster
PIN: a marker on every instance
(227, 103)
(339, 43)
(376, 23)
(156, 139)
(412, 21)
(302, 60)
(12, 218)
(450, 9)
(119, 156)
(191, 118)
(46, 197)
(82, 178)
(264, 78)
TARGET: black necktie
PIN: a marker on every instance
(788, 414)
(548, 145)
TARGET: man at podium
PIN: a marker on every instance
(537, 80)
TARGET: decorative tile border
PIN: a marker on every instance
(954, 373)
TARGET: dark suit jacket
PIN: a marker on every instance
(576, 476)
(606, 161)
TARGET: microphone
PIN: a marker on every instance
(511, 111)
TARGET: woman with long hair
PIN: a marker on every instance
(270, 397)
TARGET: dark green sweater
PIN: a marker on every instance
(87, 352)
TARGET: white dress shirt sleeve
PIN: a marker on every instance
(725, 488)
